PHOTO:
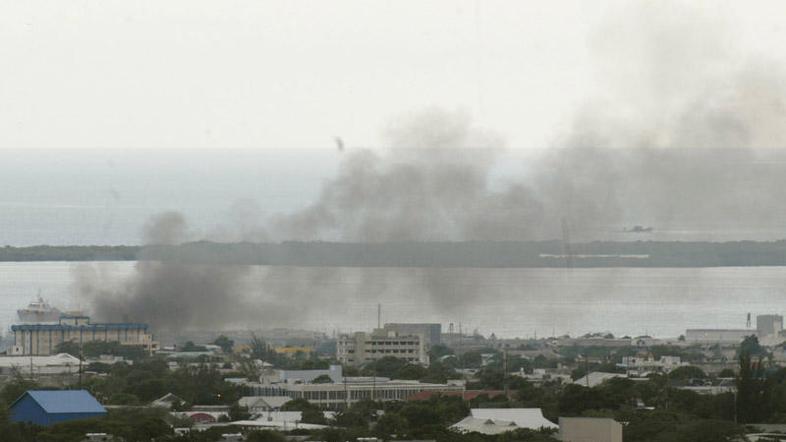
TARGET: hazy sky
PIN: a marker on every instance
(254, 73)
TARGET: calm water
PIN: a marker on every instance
(510, 302)
(84, 196)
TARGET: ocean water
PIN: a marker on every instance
(86, 196)
(83, 197)
(508, 302)
(105, 197)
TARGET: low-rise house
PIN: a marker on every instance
(61, 363)
(502, 420)
(642, 365)
(48, 407)
(167, 401)
(589, 429)
(596, 378)
(259, 404)
(108, 360)
(100, 437)
(541, 375)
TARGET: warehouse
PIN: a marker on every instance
(42, 407)
(43, 339)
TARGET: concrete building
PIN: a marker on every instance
(642, 365)
(589, 429)
(336, 396)
(431, 333)
(361, 348)
(769, 325)
(43, 339)
(717, 336)
(269, 376)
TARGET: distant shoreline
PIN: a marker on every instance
(481, 254)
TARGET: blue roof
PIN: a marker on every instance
(65, 401)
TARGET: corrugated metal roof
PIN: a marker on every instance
(531, 418)
(66, 401)
(38, 361)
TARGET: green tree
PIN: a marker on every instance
(190, 346)
(238, 413)
(310, 413)
(15, 388)
(9, 431)
(69, 347)
(265, 436)
(752, 397)
(687, 372)
(726, 373)
(322, 379)
(225, 343)
(750, 346)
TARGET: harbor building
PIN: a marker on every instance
(769, 325)
(431, 333)
(717, 336)
(361, 348)
(43, 339)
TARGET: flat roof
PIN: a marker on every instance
(103, 326)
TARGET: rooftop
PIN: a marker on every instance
(64, 401)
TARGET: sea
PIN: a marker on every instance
(660, 302)
(105, 197)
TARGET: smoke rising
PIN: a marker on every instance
(170, 295)
(679, 137)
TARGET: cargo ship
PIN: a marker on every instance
(38, 311)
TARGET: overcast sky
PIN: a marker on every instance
(253, 73)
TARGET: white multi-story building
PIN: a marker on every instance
(338, 395)
(361, 348)
(639, 365)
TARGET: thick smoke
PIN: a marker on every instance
(676, 138)
(679, 137)
(169, 294)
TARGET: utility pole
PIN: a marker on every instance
(586, 370)
(505, 371)
(346, 391)
(379, 315)
(81, 356)
(374, 385)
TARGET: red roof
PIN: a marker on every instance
(202, 418)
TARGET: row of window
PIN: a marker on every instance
(393, 351)
(391, 343)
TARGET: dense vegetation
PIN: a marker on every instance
(653, 410)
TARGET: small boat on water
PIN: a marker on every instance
(38, 311)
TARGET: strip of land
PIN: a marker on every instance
(429, 254)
